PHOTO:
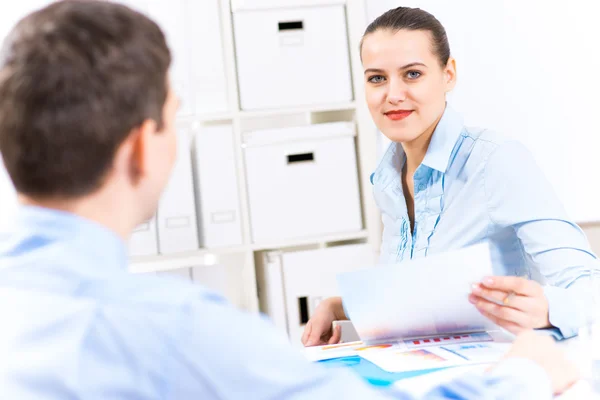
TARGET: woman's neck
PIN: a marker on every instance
(416, 149)
(415, 152)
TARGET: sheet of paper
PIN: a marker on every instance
(319, 353)
(393, 360)
(417, 298)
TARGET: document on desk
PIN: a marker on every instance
(378, 351)
(420, 309)
(437, 356)
(358, 348)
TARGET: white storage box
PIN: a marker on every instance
(144, 239)
(205, 45)
(292, 57)
(302, 182)
(217, 194)
(238, 5)
(177, 229)
(193, 33)
(291, 285)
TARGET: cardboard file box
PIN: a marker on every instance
(216, 184)
(292, 57)
(302, 182)
(177, 229)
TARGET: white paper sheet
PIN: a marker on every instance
(417, 298)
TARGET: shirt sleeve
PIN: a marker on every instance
(520, 196)
(225, 353)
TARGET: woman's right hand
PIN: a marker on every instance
(319, 329)
(543, 351)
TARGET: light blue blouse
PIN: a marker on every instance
(475, 185)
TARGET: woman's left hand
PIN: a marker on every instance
(515, 304)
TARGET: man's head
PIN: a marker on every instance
(86, 110)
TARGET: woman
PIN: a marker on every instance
(442, 186)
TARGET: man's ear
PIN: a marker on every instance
(134, 151)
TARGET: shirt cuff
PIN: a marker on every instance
(565, 311)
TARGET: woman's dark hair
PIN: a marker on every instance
(413, 19)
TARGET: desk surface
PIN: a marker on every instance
(420, 382)
(372, 373)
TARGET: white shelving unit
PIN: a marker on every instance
(187, 30)
(366, 145)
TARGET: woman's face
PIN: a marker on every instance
(405, 86)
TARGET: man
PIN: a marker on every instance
(87, 136)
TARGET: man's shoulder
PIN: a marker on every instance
(164, 292)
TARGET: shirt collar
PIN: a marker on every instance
(438, 153)
(443, 140)
(33, 227)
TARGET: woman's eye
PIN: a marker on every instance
(413, 74)
(376, 79)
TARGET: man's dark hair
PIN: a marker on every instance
(75, 78)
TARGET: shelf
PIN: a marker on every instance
(298, 110)
(227, 116)
(168, 262)
(216, 117)
(340, 237)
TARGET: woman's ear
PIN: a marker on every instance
(450, 74)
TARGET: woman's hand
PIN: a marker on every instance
(516, 304)
(543, 351)
(318, 330)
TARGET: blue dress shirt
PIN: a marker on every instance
(475, 185)
(77, 325)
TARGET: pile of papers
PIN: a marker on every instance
(416, 315)
(422, 354)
